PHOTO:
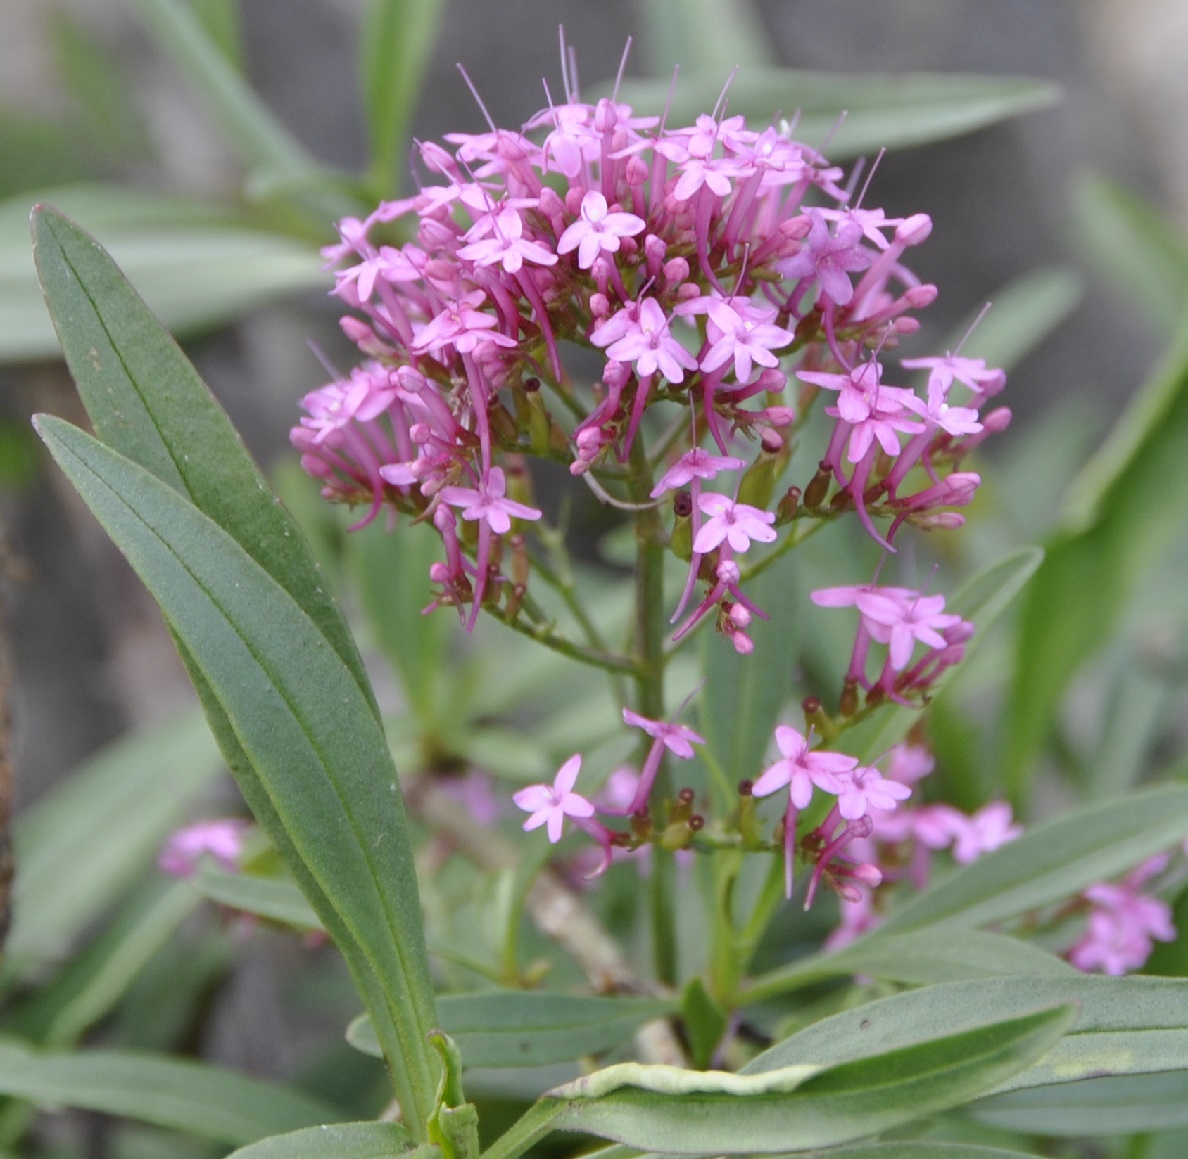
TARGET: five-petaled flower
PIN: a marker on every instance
(551, 804)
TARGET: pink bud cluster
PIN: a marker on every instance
(705, 263)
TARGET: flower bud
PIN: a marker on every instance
(913, 230)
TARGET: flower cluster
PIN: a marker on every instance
(859, 794)
(706, 263)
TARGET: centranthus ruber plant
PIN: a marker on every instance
(733, 282)
(629, 771)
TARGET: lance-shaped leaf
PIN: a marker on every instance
(918, 1150)
(85, 843)
(922, 958)
(1127, 1026)
(397, 43)
(1115, 529)
(1053, 861)
(880, 111)
(200, 1100)
(788, 1109)
(1128, 1105)
(319, 760)
(148, 402)
(516, 1028)
(276, 899)
(338, 1141)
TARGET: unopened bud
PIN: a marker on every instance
(787, 507)
(913, 230)
(918, 297)
(815, 492)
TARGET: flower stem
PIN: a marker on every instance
(650, 660)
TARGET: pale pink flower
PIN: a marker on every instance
(676, 737)
(737, 523)
(986, 830)
(900, 622)
(800, 769)
(507, 246)
(695, 464)
(598, 230)
(646, 342)
(865, 789)
(220, 840)
(551, 804)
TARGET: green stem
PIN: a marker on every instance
(543, 634)
(650, 626)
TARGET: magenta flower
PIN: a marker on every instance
(676, 737)
(598, 230)
(694, 464)
(551, 804)
(737, 523)
(488, 502)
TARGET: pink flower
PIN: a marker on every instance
(221, 840)
(900, 622)
(741, 330)
(551, 804)
(646, 341)
(694, 464)
(487, 502)
(865, 789)
(676, 737)
(737, 523)
(597, 231)
(801, 769)
(507, 246)
(990, 827)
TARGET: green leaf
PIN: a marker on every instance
(336, 1141)
(198, 266)
(148, 402)
(519, 1028)
(1051, 862)
(276, 899)
(391, 573)
(93, 982)
(1143, 255)
(919, 1150)
(743, 695)
(922, 958)
(262, 142)
(981, 600)
(1115, 528)
(82, 846)
(1132, 1105)
(396, 44)
(312, 739)
(1024, 313)
(704, 38)
(200, 1100)
(700, 1112)
(889, 112)
(1126, 1026)
(221, 20)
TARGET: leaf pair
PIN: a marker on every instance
(271, 656)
